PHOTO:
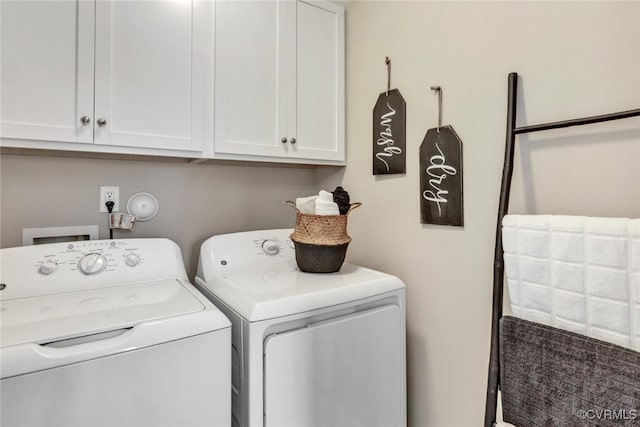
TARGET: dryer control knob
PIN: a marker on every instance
(92, 263)
(47, 267)
(270, 247)
(132, 260)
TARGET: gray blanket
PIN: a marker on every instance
(551, 377)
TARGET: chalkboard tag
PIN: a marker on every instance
(441, 197)
(389, 133)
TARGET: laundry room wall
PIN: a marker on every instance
(196, 200)
(575, 59)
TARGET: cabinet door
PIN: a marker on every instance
(318, 100)
(46, 54)
(150, 73)
(250, 83)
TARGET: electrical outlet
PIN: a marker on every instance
(109, 194)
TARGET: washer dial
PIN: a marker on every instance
(47, 267)
(92, 263)
(132, 260)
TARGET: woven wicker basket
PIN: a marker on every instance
(320, 240)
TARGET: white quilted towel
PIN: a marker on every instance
(576, 273)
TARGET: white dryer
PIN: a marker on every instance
(309, 350)
(109, 333)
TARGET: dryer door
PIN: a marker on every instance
(347, 371)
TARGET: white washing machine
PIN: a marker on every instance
(309, 350)
(109, 333)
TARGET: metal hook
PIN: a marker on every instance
(439, 90)
(388, 62)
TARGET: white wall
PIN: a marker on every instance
(196, 200)
(575, 59)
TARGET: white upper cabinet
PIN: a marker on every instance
(46, 60)
(318, 104)
(149, 82)
(140, 77)
(279, 81)
(142, 86)
(250, 107)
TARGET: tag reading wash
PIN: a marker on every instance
(389, 130)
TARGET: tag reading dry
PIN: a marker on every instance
(441, 196)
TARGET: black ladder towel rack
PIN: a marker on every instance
(503, 206)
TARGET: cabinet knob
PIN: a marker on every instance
(293, 140)
(101, 122)
(85, 120)
(284, 140)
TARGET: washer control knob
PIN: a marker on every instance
(270, 247)
(47, 267)
(92, 263)
(132, 260)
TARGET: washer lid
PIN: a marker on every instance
(282, 289)
(49, 318)
(61, 329)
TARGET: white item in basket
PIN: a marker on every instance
(306, 205)
(325, 204)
